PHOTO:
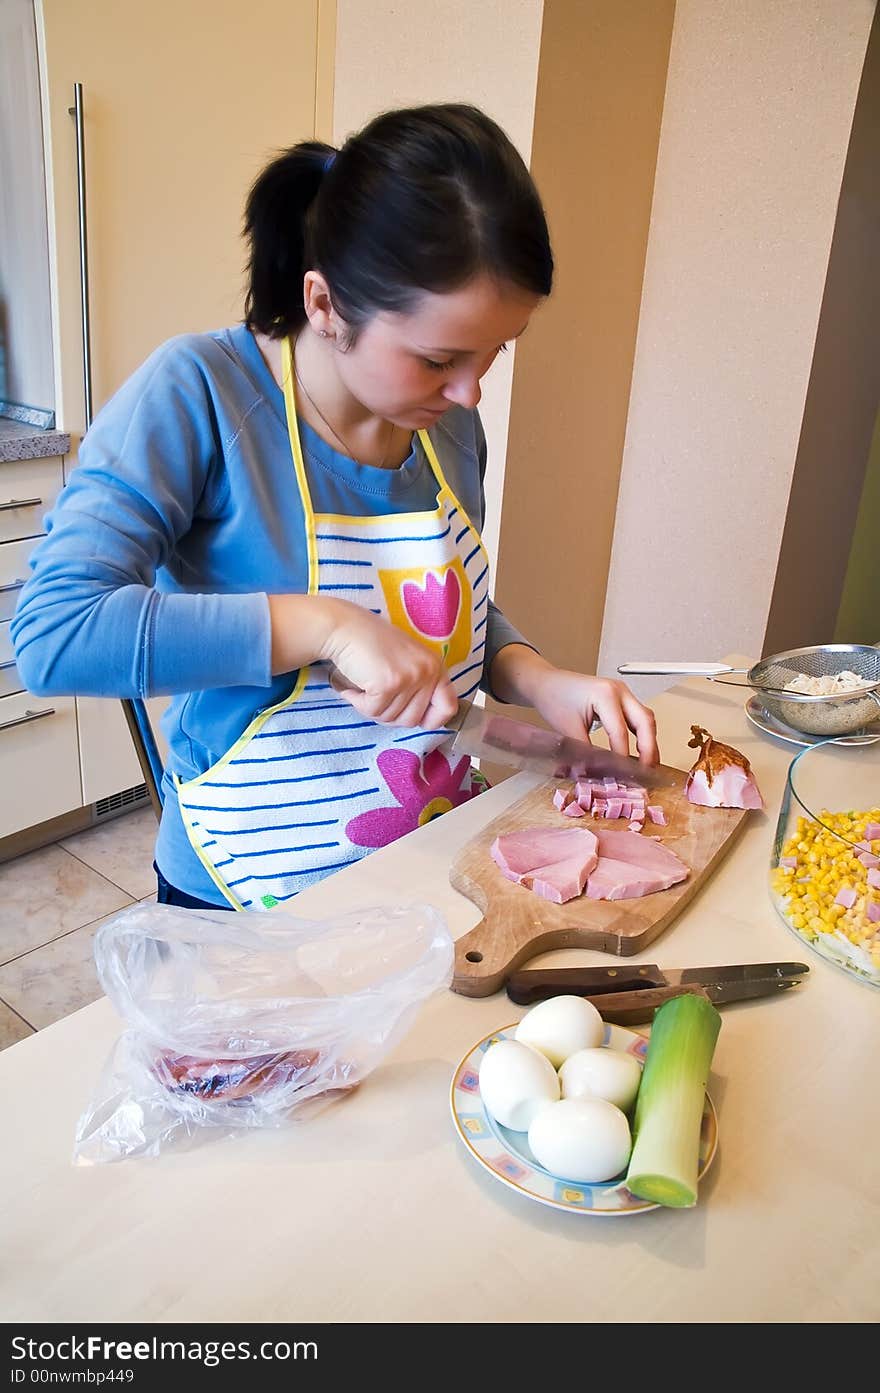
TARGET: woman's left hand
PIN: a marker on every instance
(571, 701)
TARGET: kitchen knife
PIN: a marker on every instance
(484, 734)
(630, 994)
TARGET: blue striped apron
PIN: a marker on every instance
(311, 785)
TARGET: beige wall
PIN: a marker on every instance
(597, 124)
(858, 620)
(391, 54)
(840, 413)
(759, 105)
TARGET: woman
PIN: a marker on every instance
(278, 523)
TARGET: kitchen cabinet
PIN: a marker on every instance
(39, 749)
(56, 754)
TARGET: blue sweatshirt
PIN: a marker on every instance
(182, 516)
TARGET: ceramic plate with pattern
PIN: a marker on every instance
(506, 1155)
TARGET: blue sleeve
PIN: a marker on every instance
(89, 619)
(499, 630)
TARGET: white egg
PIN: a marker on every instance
(560, 1026)
(583, 1139)
(602, 1073)
(515, 1083)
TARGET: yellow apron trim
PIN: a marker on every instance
(299, 463)
(381, 521)
(444, 488)
(256, 725)
(190, 832)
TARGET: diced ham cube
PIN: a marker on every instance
(656, 814)
(872, 831)
(874, 911)
(614, 809)
(874, 879)
(561, 798)
(635, 826)
(583, 792)
(846, 897)
(573, 810)
(869, 861)
(789, 862)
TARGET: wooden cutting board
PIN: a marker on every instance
(518, 924)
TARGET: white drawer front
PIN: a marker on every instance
(28, 489)
(6, 652)
(14, 571)
(39, 760)
(109, 760)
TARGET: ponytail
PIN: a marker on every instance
(276, 217)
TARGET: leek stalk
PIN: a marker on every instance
(669, 1107)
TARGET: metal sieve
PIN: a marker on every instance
(844, 713)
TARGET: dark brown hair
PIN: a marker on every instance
(421, 199)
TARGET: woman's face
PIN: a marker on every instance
(410, 368)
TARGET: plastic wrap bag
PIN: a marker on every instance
(241, 1020)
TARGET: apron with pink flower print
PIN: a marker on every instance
(311, 785)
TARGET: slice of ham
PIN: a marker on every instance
(631, 865)
(559, 858)
(560, 882)
(561, 863)
(721, 776)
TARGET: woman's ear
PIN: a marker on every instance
(319, 309)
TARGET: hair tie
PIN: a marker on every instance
(329, 161)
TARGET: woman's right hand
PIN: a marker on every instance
(392, 678)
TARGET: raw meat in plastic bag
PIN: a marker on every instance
(249, 1020)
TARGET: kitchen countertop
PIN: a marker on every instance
(21, 441)
(372, 1210)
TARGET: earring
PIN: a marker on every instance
(323, 333)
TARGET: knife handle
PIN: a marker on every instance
(637, 1008)
(537, 984)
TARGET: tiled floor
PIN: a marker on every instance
(51, 903)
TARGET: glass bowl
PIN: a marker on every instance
(825, 867)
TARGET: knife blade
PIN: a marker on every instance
(731, 982)
(484, 734)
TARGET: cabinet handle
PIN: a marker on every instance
(28, 716)
(13, 585)
(10, 663)
(76, 111)
(20, 503)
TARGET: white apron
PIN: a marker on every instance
(311, 785)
